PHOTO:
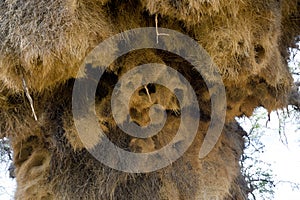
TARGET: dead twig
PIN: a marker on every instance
(156, 28)
(29, 98)
(147, 91)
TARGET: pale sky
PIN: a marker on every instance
(284, 159)
(7, 185)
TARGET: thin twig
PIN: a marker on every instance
(281, 131)
(156, 28)
(29, 98)
(147, 91)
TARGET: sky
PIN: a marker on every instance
(7, 185)
(283, 157)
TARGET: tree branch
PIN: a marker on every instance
(294, 97)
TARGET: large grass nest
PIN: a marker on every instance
(43, 44)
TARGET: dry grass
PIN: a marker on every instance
(45, 42)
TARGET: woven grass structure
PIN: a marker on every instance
(44, 43)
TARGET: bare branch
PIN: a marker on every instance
(156, 27)
(294, 97)
(29, 98)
